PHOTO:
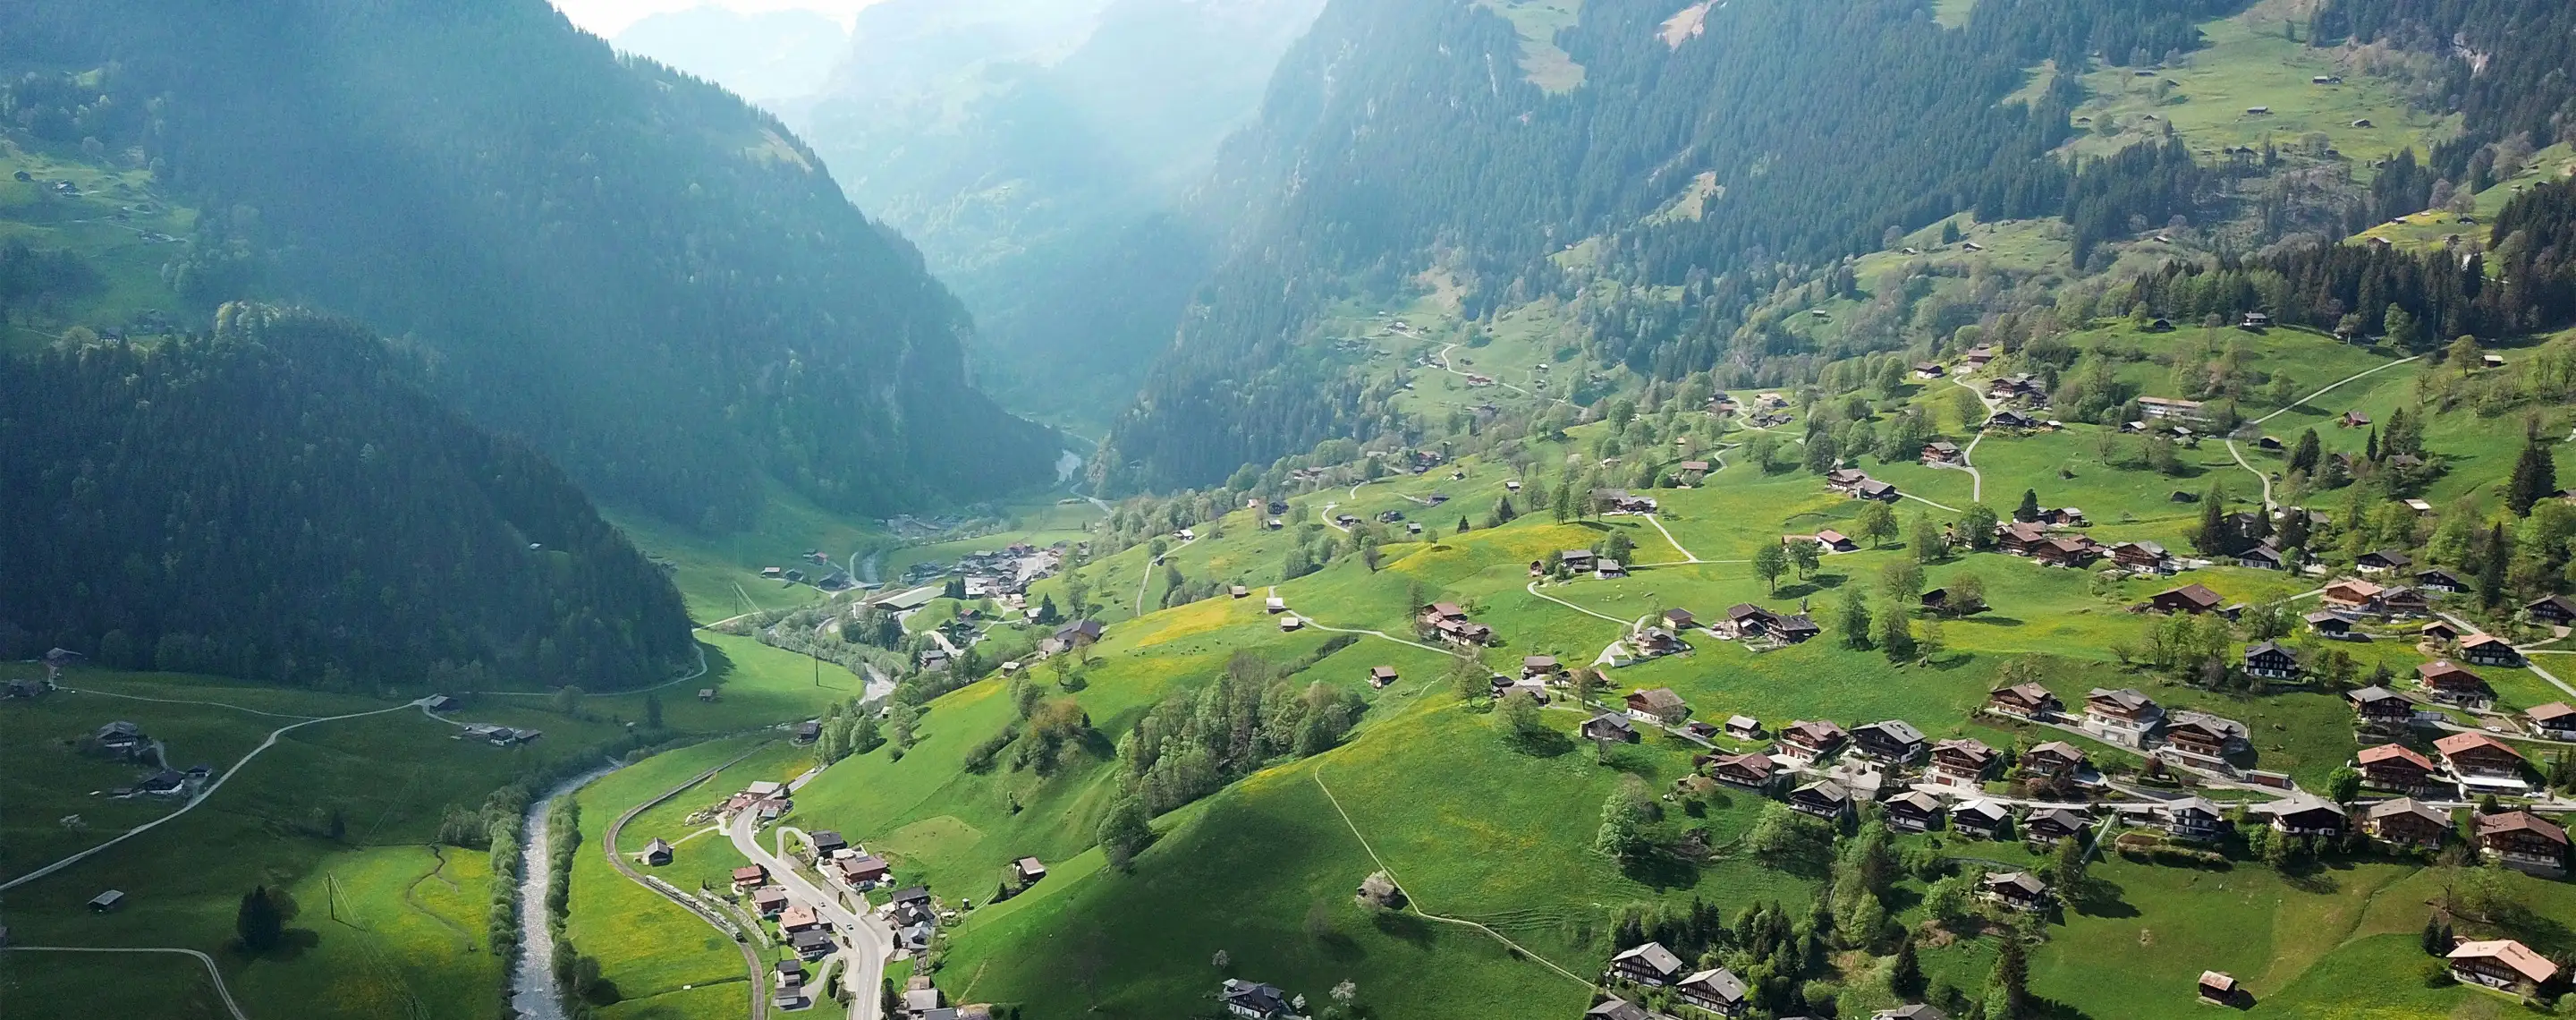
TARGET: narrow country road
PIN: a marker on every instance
(608, 846)
(221, 992)
(201, 796)
(869, 942)
(1968, 453)
(2266, 477)
(1687, 555)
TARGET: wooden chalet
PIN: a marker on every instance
(1750, 771)
(2220, 988)
(1533, 666)
(2205, 735)
(2477, 754)
(2556, 610)
(1835, 541)
(2381, 709)
(656, 853)
(2014, 890)
(1716, 990)
(2123, 716)
(2264, 555)
(1940, 452)
(1608, 729)
(1912, 811)
(2397, 767)
(2452, 685)
(2554, 721)
(1651, 965)
(2054, 758)
(2353, 595)
(1964, 761)
(2271, 661)
(2190, 598)
(2193, 818)
(2329, 624)
(2048, 825)
(2439, 631)
(2141, 556)
(2383, 561)
(1680, 620)
(2524, 842)
(2502, 964)
(1381, 676)
(1823, 798)
(2064, 551)
(2489, 650)
(1744, 727)
(2303, 814)
(2018, 538)
(749, 876)
(1655, 705)
(1889, 740)
(2024, 701)
(2441, 580)
(1812, 739)
(1980, 818)
(2405, 821)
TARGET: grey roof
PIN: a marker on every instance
(1897, 730)
(1717, 983)
(1654, 956)
(2020, 881)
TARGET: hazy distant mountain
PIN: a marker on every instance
(761, 56)
(1036, 152)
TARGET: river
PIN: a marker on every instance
(532, 984)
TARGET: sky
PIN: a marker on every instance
(609, 17)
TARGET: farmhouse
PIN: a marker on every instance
(2405, 821)
(2219, 988)
(2353, 596)
(1679, 620)
(2205, 735)
(2014, 890)
(1651, 965)
(1538, 666)
(2438, 579)
(2165, 407)
(2438, 631)
(2382, 561)
(2396, 767)
(2453, 685)
(1940, 452)
(2502, 964)
(2524, 842)
(2141, 556)
(1835, 541)
(1745, 727)
(2024, 701)
(2329, 624)
(1380, 676)
(2190, 598)
(862, 870)
(2264, 555)
(749, 876)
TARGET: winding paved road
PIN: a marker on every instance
(222, 992)
(608, 846)
(868, 941)
(2287, 408)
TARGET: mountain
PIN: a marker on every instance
(277, 499)
(1041, 154)
(1713, 153)
(652, 282)
(759, 55)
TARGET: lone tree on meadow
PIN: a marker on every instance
(1770, 562)
(260, 923)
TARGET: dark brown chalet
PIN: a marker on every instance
(2524, 842)
(2489, 650)
(1912, 811)
(2271, 661)
(1890, 740)
(1651, 965)
(2019, 538)
(2453, 685)
(1750, 771)
(1965, 761)
(2140, 556)
(2206, 736)
(2024, 701)
(1823, 798)
(2048, 825)
(2065, 552)
(2190, 598)
(1811, 740)
(2381, 709)
(2054, 758)
(2556, 609)
(2405, 821)
(1979, 818)
(2397, 767)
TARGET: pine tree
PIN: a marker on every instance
(2491, 571)
(1907, 976)
(2028, 511)
(1855, 618)
(2304, 457)
(2008, 985)
(259, 923)
(2535, 476)
(2214, 537)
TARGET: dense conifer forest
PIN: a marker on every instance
(655, 283)
(277, 499)
(1817, 130)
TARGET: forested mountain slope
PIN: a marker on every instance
(656, 284)
(1038, 153)
(1398, 138)
(278, 500)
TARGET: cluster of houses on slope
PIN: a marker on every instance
(801, 927)
(1448, 622)
(496, 735)
(1583, 561)
(1857, 485)
(2473, 762)
(2128, 718)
